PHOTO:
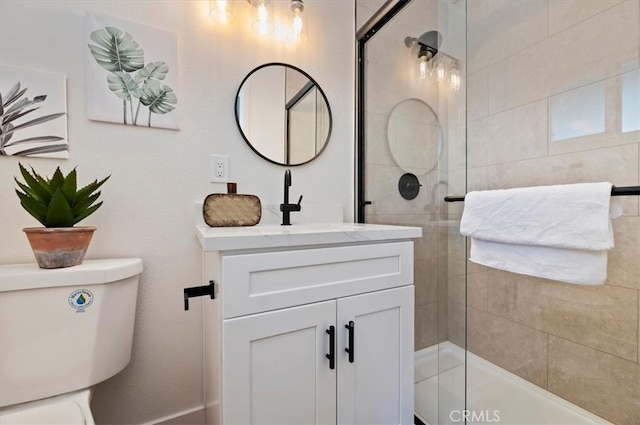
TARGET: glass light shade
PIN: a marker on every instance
(454, 80)
(297, 22)
(263, 17)
(441, 72)
(423, 68)
(221, 11)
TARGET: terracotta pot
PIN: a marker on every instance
(58, 247)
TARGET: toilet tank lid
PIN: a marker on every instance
(15, 277)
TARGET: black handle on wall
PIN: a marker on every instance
(332, 347)
(352, 332)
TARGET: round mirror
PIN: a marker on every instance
(283, 114)
(415, 136)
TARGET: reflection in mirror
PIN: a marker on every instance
(414, 136)
(283, 114)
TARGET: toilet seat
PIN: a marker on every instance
(64, 413)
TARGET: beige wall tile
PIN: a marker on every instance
(426, 326)
(426, 246)
(455, 149)
(443, 314)
(472, 290)
(456, 321)
(381, 98)
(601, 317)
(381, 218)
(477, 179)
(572, 63)
(494, 6)
(476, 11)
(579, 167)
(516, 134)
(477, 155)
(603, 384)
(509, 28)
(623, 268)
(478, 95)
(385, 49)
(426, 281)
(566, 60)
(457, 247)
(519, 349)
(519, 79)
(455, 267)
(566, 13)
(377, 147)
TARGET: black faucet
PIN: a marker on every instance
(286, 207)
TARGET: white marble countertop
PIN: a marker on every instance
(260, 237)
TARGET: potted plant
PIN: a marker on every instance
(59, 205)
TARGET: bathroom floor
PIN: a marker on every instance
(494, 395)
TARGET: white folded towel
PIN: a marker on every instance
(558, 232)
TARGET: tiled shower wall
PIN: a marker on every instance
(554, 98)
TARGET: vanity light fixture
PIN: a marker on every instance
(263, 20)
(222, 11)
(427, 49)
(297, 21)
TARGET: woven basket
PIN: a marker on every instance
(231, 210)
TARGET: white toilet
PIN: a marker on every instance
(61, 332)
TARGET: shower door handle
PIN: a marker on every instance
(332, 347)
(352, 332)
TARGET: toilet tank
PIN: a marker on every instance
(64, 329)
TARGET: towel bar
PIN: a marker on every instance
(615, 191)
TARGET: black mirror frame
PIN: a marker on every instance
(324, 96)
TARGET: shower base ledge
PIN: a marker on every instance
(494, 394)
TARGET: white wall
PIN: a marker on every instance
(158, 175)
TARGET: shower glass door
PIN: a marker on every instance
(412, 153)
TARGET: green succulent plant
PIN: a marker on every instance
(57, 201)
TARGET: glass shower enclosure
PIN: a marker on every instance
(411, 132)
(456, 96)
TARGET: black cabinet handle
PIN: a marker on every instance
(332, 347)
(352, 332)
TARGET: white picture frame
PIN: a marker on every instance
(34, 113)
(138, 86)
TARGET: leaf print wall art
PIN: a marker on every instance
(33, 109)
(131, 72)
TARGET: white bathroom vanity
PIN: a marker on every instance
(311, 324)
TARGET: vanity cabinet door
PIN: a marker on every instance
(275, 370)
(375, 386)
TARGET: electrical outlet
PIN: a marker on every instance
(219, 169)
